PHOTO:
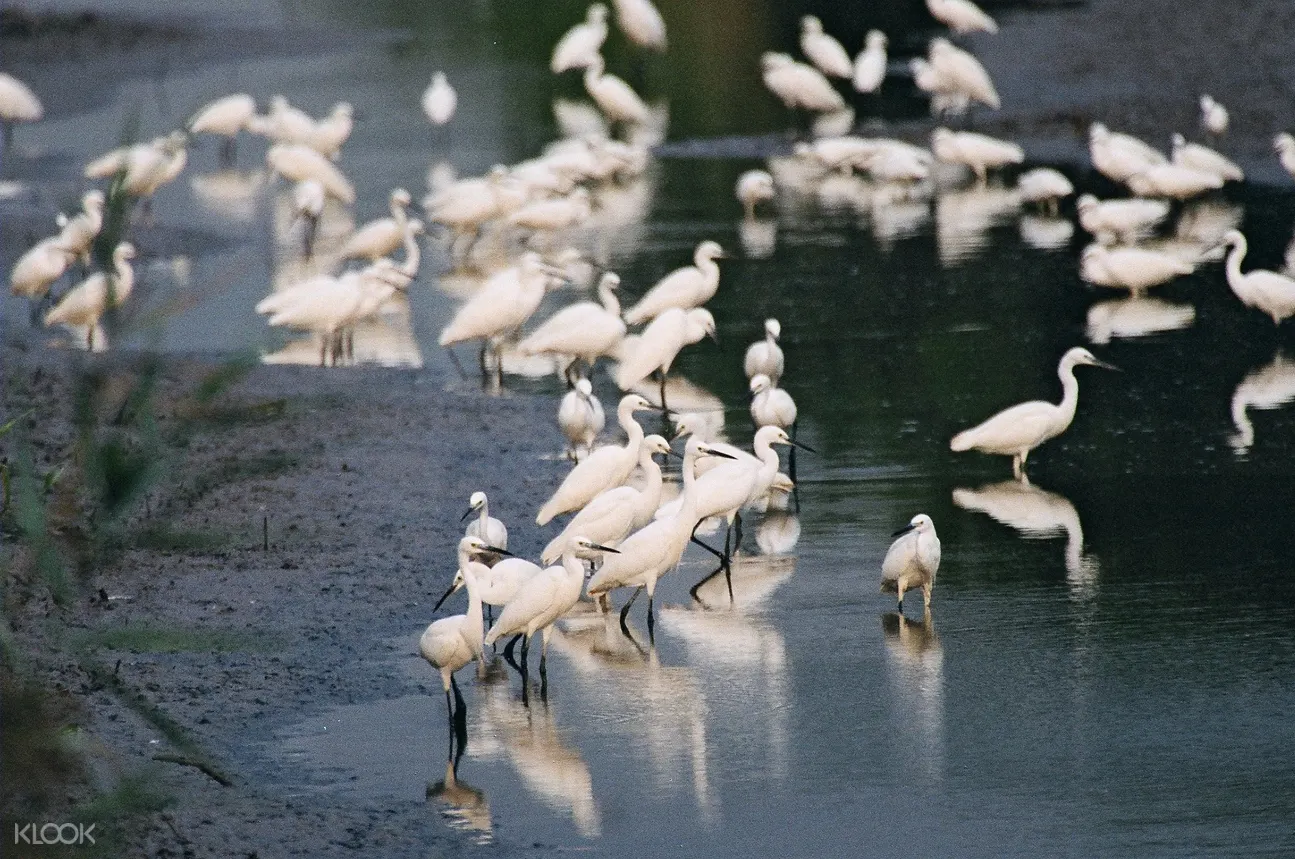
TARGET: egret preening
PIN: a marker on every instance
(485, 526)
(765, 356)
(687, 287)
(912, 560)
(1020, 429)
(771, 406)
(604, 468)
(1268, 291)
(581, 417)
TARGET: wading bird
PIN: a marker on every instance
(912, 560)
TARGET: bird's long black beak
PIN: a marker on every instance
(443, 598)
(673, 453)
(720, 453)
(469, 512)
(602, 548)
(1106, 366)
(499, 551)
(714, 335)
(904, 530)
(802, 446)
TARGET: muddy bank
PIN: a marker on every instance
(193, 639)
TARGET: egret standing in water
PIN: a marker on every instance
(485, 526)
(913, 560)
(771, 406)
(1020, 429)
(765, 356)
(687, 287)
(581, 417)
(1268, 291)
(439, 100)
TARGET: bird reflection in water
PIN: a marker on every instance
(1136, 316)
(465, 807)
(964, 217)
(1037, 514)
(759, 238)
(1268, 387)
(916, 662)
(1046, 233)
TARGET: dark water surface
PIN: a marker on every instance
(1106, 668)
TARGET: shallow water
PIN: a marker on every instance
(1105, 669)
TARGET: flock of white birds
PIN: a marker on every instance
(624, 525)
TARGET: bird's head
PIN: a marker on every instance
(1080, 356)
(401, 197)
(773, 328)
(584, 388)
(760, 383)
(920, 523)
(586, 548)
(656, 444)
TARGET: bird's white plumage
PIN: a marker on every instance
(660, 343)
(439, 100)
(687, 287)
(870, 64)
(765, 356)
(579, 45)
(798, 85)
(1268, 291)
(824, 51)
(581, 417)
(604, 468)
(912, 560)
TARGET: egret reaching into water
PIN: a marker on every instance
(579, 45)
(439, 100)
(661, 342)
(225, 117)
(1020, 429)
(1268, 291)
(485, 526)
(765, 356)
(824, 51)
(754, 187)
(381, 236)
(961, 16)
(771, 406)
(17, 104)
(86, 303)
(1119, 221)
(641, 23)
(870, 65)
(581, 417)
(1214, 116)
(604, 468)
(687, 287)
(912, 560)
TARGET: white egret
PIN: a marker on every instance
(1284, 144)
(439, 100)
(503, 304)
(328, 305)
(544, 598)
(77, 233)
(771, 405)
(298, 162)
(146, 167)
(824, 51)
(946, 97)
(979, 152)
(655, 549)
(687, 287)
(559, 213)
(17, 104)
(328, 134)
(1214, 116)
(450, 643)
(661, 342)
(604, 468)
(1044, 187)
(797, 85)
(1268, 291)
(1133, 268)
(754, 187)
(381, 236)
(1173, 181)
(467, 204)
(308, 199)
(1119, 157)
(39, 268)
(961, 16)
(1119, 221)
(579, 45)
(870, 65)
(225, 117)
(912, 560)
(580, 415)
(485, 526)
(615, 98)
(612, 514)
(585, 330)
(1020, 429)
(283, 123)
(1203, 158)
(765, 356)
(641, 22)
(960, 73)
(85, 303)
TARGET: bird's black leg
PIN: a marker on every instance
(508, 651)
(651, 623)
(460, 721)
(626, 610)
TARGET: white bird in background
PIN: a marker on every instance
(77, 233)
(485, 526)
(381, 236)
(978, 152)
(308, 198)
(1133, 268)
(870, 65)
(225, 117)
(946, 99)
(283, 123)
(298, 163)
(1268, 291)
(17, 104)
(147, 166)
(1284, 144)
(960, 73)
(1119, 157)
(557, 213)
(579, 45)
(824, 51)
(683, 288)
(452, 642)
(585, 330)
(545, 598)
(86, 303)
(328, 134)
(797, 85)
(1214, 116)
(616, 99)
(1044, 187)
(765, 356)
(961, 16)
(612, 514)
(1198, 157)
(328, 306)
(439, 100)
(754, 187)
(580, 415)
(1020, 429)
(771, 405)
(468, 203)
(641, 23)
(1173, 181)
(661, 342)
(502, 305)
(605, 468)
(1119, 221)
(40, 268)
(912, 560)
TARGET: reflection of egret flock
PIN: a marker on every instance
(511, 234)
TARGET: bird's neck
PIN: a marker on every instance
(474, 598)
(1070, 392)
(1235, 278)
(650, 494)
(632, 429)
(608, 297)
(484, 517)
(573, 566)
(413, 256)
